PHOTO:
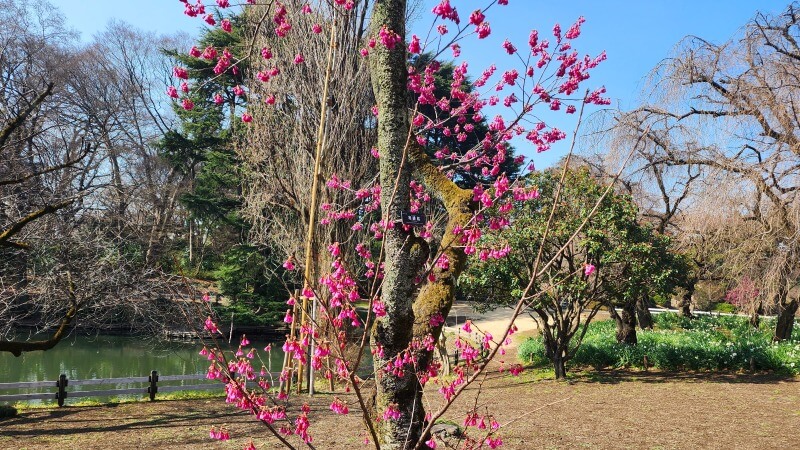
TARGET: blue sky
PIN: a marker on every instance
(636, 34)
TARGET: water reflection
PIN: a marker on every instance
(99, 356)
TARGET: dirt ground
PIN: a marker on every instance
(605, 410)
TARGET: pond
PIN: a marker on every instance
(101, 356)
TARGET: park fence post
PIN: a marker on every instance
(61, 384)
(153, 388)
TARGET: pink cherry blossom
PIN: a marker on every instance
(388, 38)
(477, 17)
(445, 11)
(509, 47)
(483, 30)
(210, 326)
(180, 72)
(413, 46)
(209, 53)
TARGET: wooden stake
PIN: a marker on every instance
(312, 217)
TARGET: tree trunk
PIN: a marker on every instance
(626, 323)
(398, 391)
(643, 313)
(785, 325)
(755, 317)
(684, 308)
(559, 365)
(116, 181)
(554, 352)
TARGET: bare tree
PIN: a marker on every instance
(280, 149)
(65, 251)
(726, 114)
(126, 114)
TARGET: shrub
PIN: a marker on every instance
(679, 343)
(724, 307)
(532, 351)
(7, 411)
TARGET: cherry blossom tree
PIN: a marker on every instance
(412, 268)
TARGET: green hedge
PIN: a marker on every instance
(678, 343)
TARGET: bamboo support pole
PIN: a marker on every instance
(312, 216)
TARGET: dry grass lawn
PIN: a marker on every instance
(603, 410)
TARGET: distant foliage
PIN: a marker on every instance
(679, 343)
(254, 291)
(724, 308)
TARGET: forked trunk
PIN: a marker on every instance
(785, 325)
(626, 323)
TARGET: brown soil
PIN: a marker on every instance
(642, 410)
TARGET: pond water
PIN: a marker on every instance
(100, 356)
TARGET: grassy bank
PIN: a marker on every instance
(677, 343)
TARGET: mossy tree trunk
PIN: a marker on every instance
(408, 311)
(393, 332)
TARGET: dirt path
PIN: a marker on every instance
(610, 410)
(496, 321)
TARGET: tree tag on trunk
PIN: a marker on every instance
(414, 219)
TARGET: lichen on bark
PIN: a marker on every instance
(408, 309)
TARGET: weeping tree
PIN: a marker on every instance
(729, 111)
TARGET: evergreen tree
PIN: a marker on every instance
(205, 149)
(461, 137)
